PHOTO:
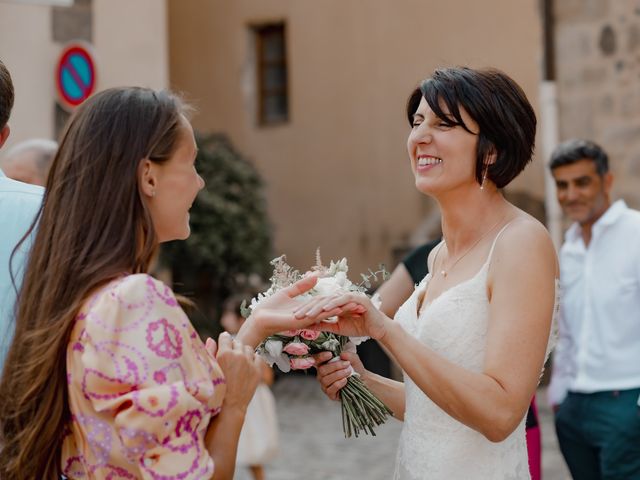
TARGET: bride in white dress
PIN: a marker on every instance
(474, 336)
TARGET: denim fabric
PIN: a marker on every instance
(599, 434)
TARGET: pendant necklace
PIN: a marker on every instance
(444, 271)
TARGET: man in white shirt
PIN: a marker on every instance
(19, 204)
(595, 384)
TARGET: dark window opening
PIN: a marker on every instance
(273, 98)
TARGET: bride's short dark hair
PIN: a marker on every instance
(496, 103)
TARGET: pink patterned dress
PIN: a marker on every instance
(142, 387)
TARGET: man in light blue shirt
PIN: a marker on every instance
(19, 204)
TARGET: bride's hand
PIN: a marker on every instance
(357, 317)
(333, 376)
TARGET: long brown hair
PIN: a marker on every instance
(93, 226)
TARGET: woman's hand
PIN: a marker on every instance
(357, 317)
(275, 314)
(333, 376)
(241, 368)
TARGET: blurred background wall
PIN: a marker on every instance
(313, 93)
(128, 39)
(333, 151)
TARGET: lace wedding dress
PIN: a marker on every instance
(433, 445)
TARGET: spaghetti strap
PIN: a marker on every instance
(435, 255)
(495, 240)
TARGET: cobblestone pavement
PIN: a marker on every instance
(312, 446)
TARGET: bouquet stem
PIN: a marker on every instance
(361, 409)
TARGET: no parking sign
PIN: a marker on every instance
(75, 75)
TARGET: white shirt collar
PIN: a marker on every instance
(611, 216)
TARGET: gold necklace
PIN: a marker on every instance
(444, 272)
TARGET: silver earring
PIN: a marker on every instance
(484, 178)
(153, 193)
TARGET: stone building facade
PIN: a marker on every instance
(597, 49)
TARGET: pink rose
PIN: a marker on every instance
(302, 363)
(309, 334)
(296, 348)
(290, 333)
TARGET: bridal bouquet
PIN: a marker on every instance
(293, 350)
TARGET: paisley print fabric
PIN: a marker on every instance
(142, 387)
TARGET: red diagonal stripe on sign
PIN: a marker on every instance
(76, 76)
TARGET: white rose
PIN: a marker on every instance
(273, 347)
(271, 352)
(342, 280)
(327, 286)
(282, 361)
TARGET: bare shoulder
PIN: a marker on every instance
(526, 229)
(525, 242)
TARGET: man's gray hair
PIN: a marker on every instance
(43, 149)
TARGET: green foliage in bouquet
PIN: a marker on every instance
(230, 233)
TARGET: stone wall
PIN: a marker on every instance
(598, 77)
(73, 23)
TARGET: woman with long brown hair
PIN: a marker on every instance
(106, 377)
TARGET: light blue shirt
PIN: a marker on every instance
(19, 204)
